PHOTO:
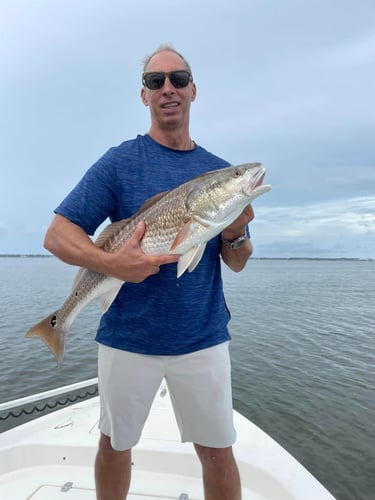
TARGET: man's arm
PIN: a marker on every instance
(236, 259)
(71, 244)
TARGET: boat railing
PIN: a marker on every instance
(17, 411)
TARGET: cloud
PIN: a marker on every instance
(336, 228)
(355, 215)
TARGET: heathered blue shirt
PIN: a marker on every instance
(162, 315)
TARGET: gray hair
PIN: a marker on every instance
(165, 47)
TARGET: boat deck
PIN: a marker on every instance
(52, 457)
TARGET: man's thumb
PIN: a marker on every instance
(139, 231)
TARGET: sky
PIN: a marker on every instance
(288, 83)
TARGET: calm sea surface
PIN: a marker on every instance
(303, 355)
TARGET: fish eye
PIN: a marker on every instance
(236, 172)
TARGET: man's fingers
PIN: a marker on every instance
(249, 212)
(139, 232)
(159, 260)
(155, 261)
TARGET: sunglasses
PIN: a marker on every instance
(155, 80)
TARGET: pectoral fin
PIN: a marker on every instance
(183, 234)
(191, 224)
(190, 259)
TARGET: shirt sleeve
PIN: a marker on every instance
(93, 199)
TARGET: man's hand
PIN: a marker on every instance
(238, 227)
(237, 259)
(130, 263)
(72, 245)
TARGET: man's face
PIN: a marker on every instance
(169, 106)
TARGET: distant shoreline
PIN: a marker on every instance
(44, 256)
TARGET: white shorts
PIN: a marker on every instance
(199, 385)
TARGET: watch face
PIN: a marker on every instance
(239, 242)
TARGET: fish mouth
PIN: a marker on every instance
(256, 180)
(256, 186)
(259, 177)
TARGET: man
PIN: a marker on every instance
(158, 326)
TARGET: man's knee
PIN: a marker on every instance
(215, 457)
(108, 454)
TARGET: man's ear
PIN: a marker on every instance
(144, 97)
(194, 92)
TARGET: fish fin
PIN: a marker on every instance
(101, 242)
(151, 201)
(113, 228)
(109, 231)
(109, 296)
(190, 259)
(197, 257)
(52, 333)
(203, 222)
(187, 229)
(183, 233)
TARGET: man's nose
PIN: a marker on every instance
(168, 87)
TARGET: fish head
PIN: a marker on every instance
(250, 179)
(220, 196)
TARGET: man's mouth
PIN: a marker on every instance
(170, 105)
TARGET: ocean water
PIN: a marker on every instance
(303, 355)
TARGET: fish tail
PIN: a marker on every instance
(52, 333)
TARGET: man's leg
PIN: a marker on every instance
(127, 386)
(221, 478)
(200, 388)
(112, 471)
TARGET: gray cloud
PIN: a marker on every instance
(336, 228)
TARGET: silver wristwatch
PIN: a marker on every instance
(237, 243)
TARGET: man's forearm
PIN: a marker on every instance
(72, 245)
(236, 259)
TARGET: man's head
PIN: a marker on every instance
(165, 47)
(168, 88)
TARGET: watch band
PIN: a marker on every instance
(237, 243)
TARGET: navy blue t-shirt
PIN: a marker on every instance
(162, 315)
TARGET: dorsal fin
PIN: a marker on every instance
(100, 242)
(108, 231)
(113, 228)
(151, 201)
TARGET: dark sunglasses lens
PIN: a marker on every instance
(179, 79)
(154, 81)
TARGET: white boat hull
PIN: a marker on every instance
(53, 456)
